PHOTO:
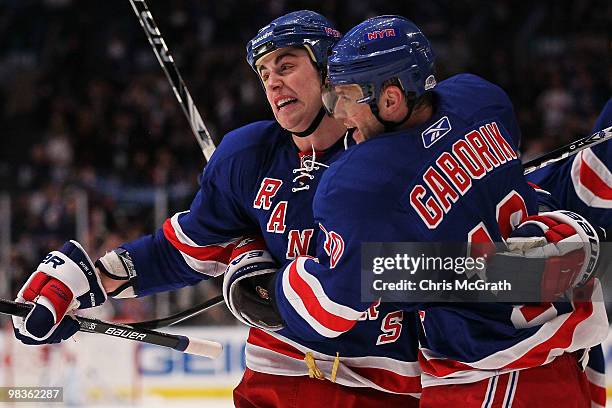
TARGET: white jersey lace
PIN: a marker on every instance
(307, 166)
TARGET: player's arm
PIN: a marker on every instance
(317, 298)
(190, 246)
(321, 298)
(591, 175)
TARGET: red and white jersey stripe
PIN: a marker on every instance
(308, 298)
(209, 260)
(592, 180)
(597, 385)
(271, 353)
(584, 327)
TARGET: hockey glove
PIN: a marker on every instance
(557, 250)
(248, 285)
(65, 280)
(118, 266)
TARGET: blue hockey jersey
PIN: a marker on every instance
(583, 184)
(258, 183)
(454, 178)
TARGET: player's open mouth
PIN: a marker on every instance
(284, 102)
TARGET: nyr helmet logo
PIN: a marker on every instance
(332, 33)
(436, 131)
(380, 34)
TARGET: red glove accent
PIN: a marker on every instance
(557, 231)
(563, 265)
(560, 273)
(58, 294)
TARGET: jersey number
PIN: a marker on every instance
(509, 212)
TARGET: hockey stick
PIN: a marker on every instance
(530, 166)
(174, 77)
(180, 316)
(197, 127)
(141, 334)
(181, 343)
(568, 150)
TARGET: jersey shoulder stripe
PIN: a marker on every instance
(207, 259)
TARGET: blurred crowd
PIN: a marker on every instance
(84, 105)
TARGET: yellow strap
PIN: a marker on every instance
(335, 367)
(313, 370)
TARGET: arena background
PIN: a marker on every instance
(93, 144)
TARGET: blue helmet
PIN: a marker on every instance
(379, 49)
(302, 28)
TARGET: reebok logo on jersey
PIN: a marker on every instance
(436, 131)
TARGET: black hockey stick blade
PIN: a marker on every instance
(180, 343)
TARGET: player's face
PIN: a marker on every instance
(293, 87)
(348, 105)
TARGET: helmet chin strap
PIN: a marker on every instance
(317, 120)
(347, 136)
(313, 125)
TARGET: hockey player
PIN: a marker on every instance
(261, 179)
(583, 184)
(444, 169)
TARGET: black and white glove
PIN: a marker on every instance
(552, 253)
(64, 281)
(248, 285)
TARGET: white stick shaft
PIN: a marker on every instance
(206, 348)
